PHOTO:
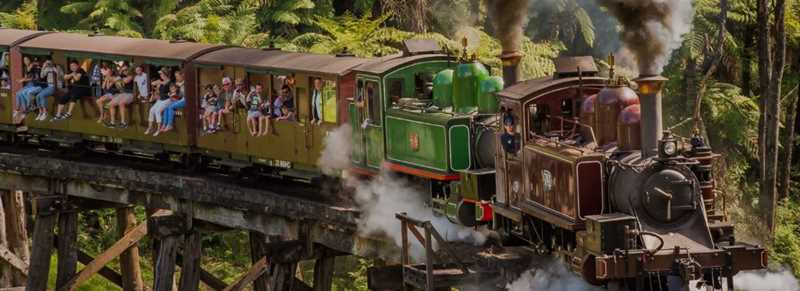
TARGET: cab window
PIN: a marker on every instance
(372, 96)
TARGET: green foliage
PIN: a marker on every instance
(118, 17)
(785, 249)
(361, 36)
(561, 20)
(23, 17)
(214, 21)
(283, 15)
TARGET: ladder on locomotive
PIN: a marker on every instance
(436, 273)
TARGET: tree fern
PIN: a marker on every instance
(22, 18)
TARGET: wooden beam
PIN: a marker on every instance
(282, 276)
(13, 289)
(165, 263)
(106, 272)
(42, 249)
(323, 273)
(211, 281)
(6, 273)
(129, 259)
(131, 238)
(14, 261)
(67, 245)
(190, 269)
(258, 250)
(16, 230)
(255, 271)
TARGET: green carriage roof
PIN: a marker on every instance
(383, 65)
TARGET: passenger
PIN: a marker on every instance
(108, 90)
(316, 102)
(287, 113)
(224, 104)
(164, 85)
(239, 97)
(209, 106)
(255, 104)
(141, 83)
(29, 87)
(123, 98)
(180, 103)
(97, 78)
(49, 80)
(77, 87)
(263, 120)
(279, 101)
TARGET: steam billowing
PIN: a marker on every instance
(380, 198)
(509, 18)
(651, 29)
(552, 276)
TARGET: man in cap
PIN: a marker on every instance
(510, 138)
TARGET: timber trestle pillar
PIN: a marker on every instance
(14, 252)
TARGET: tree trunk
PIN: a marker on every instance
(769, 187)
(764, 72)
(747, 61)
(711, 68)
(788, 147)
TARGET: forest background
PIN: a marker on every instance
(734, 79)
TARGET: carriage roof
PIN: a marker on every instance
(268, 59)
(535, 87)
(383, 65)
(10, 37)
(118, 46)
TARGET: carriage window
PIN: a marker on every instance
(423, 83)
(329, 102)
(539, 115)
(372, 95)
(395, 90)
(566, 107)
(5, 76)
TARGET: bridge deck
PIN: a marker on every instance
(200, 197)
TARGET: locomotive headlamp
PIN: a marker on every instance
(668, 146)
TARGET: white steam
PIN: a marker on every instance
(552, 276)
(761, 281)
(336, 152)
(381, 197)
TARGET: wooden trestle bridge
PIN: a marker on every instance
(285, 226)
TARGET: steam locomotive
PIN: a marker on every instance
(594, 178)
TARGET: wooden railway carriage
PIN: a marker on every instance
(294, 145)
(89, 49)
(9, 38)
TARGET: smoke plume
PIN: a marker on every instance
(651, 29)
(381, 197)
(551, 276)
(761, 281)
(509, 18)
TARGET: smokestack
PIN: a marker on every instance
(650, 101)
(511, 69)
(509, 18)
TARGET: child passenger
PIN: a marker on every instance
(254, 103)
(210, 107)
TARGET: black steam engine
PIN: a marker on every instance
(595, 178)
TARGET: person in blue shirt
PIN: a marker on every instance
(509, 139)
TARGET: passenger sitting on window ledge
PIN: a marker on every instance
(29, 88)
(180, 103)
(224, 103)
(49, 79)
(77, 87)
(509, 139)
(280, 101)
(254, 103)
(210, 107)
(165, 86)
(124, 97)
(239, 97)
(109, 89)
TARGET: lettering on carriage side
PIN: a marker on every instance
(547, 180)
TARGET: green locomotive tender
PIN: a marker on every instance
(432, 118)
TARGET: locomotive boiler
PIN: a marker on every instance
(593, 177)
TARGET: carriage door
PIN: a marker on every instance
(371, 126)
